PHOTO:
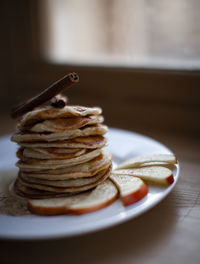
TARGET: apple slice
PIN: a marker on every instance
(104, 194)
(99, 197)
(139, 160)
(50, 206)
(132, 189)
(154, 174)
(155, 163)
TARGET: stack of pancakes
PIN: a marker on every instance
(60, 151)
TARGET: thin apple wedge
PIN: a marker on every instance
(98, 198)
(132, 189)
(156, 163)
(141, 160)
(154, 174)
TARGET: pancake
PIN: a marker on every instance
(35, 153)
(49, 112)
(28, 192)
(86, 131)
(87, 169)
(64, 183)
(63, 124)
(35, 165)
(60, 152)
(79, 142)
(103, 175)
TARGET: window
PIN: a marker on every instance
(138, 33)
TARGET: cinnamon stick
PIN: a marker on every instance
(57, 87)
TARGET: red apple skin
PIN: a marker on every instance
(92, 208)
(170, 179)
(135, 196)
(46, 210)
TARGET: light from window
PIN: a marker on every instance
(147, 33)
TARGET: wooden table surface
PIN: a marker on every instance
(169, 233)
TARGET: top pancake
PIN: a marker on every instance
(49, 112)
(62, 124)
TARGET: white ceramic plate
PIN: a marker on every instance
(123, 145)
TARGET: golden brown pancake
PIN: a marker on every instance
(81, 132)
(79, 142)
(48, 153)
(103, 175)
(28, 192)
(49, 112)
(63, 124)
(35, 165)
(64, 183)
(87, 169)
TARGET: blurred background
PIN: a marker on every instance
(140, 61)
(137, 59)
